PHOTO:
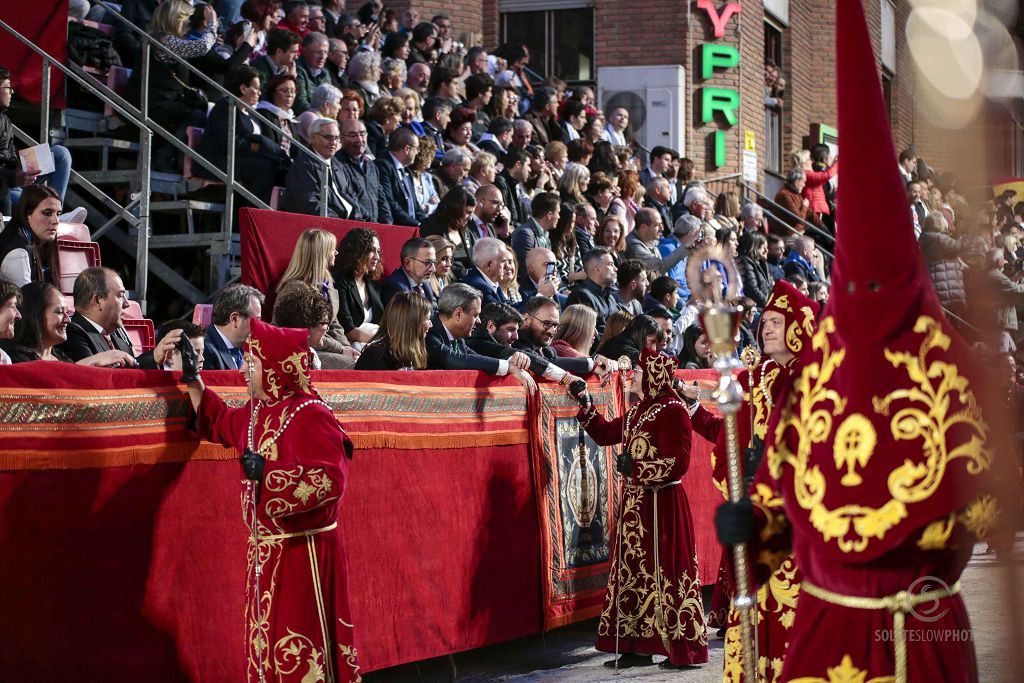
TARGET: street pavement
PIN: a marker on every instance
(568, 654)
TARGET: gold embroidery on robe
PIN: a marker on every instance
(846, 672)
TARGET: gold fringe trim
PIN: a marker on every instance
(115, 457)
(439, 441)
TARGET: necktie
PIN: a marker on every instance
(236, 355)
(410, 192)
(457, 346)
(110, 342)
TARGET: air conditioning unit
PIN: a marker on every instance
(655, 97)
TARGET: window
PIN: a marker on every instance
(560, 41)
(778, 9)
(887, 94)
(773, 110)
(888, 35)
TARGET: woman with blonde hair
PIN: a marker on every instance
(727, 210)
(573, 184)
(400, 343)
(442, 275)
(422, 181)
(577, 330)
(482, 171)
(412, 108)
(311, 264)
(392, 75)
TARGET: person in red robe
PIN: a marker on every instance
(785, 328)
(876, 468)
(653, 599)
(298, 625)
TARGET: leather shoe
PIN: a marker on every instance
(628, 661)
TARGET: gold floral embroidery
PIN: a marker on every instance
(980, 515)
(846, 672)
(348, 652)
(936, 534)
(299, 483)
(295, 650)
(760, 401)
(940, 389)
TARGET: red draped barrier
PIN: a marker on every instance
(124, 547)
(45, 24)
(268, 239)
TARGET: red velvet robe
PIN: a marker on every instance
(777, 597)
(305, 619)
(669, 621)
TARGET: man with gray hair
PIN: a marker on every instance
(522, 133)
(491, 259)
(233, 308)
(797, 207)
(800, 260)
(752, 218)
(309, 69)
(458, 312)
(642, 243)
(303, 182)
(659, 193)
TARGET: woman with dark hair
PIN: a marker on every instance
(601, 192)
(641, 333)
(44, 325)
(400, 342)
(259, 160)
(696, 353)
(302, 306)
(10, 300)
(276, 107)
(450, 221)
(616, 325)
(355, 275)
(382, 119)
(563, 243)
(753, 266)
(28, 246)
(396, 46)
(459, 131)
(726, 238)
(604, 159)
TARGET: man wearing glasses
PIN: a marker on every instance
(396, 181)
(418, 262)
(302, 193)
(363, 176)
(541, 323)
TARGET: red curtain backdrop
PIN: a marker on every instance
(124, 546)
(268, 239)
(45, 24)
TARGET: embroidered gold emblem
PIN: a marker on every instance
(854, 444)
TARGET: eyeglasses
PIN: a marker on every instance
(548, 324)
(329, 138)
(8, 88)
(430, 263)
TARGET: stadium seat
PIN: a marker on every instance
(78, 232)
(193, 135)
(202, 315)
(276, 197)
(117, 80)
(134, 311)
(73, 257)
(142, 333)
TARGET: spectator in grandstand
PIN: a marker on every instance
(632, 279)
(337, 62)
(324, 103)
(311, 265)
(10, 300)
(303, 182)
(540, 276)
(97, 325)
(611, 236)
(196, 338)
(362, 174)
(752, 218)
(451, 221)
(601, 193)
(617, 128)
(541, 321)
(790, 197)
(356, 274)
(482, 172)
(579, 152)
(727, 210)
(800, 260)
(577, 332)
(563, 244)
(585, 225)
(418, 79)
(522, 134)
(233, 308)
(436, 115)
(442, 275)
(276, 107)
(382, 118)
(392, 77)
(727, 240)
(418, 261)
(642, 332)
(642, 243)
(597, 290)
(696, 353)
(535, 231)
(511, 181)
(396, 181)
(488, 209)
(459, 133)
(942, 254)
(363, 75)
(753, 267)
(996, 297)
(479, 91)
(631, 195)
(543, 116)
(42, 328)
(282, 52)
(574, 118)
(616, 325)
(453, 170)
(557, 155)
(351, 106)
(490, 259)
(396, 46)
(444, 85)
(259, 160)
(296, 17)
(303, 306)
(427, 198)
(659, 198)
(399, 343)
(28, 246)
(310, 68)
(13, 178)
(232, 50)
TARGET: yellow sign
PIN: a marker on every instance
(749, 141)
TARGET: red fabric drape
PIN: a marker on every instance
(45, 24)
(268, 239)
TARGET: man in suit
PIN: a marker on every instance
(396, 182)
(489, 203)
(498, 137)
(642, 243)
(534, 279)
(364, 180)
(310, 69)
(597, 290)
(490, 259)
(514, 174)
(534, 232)
(194, 334)
(418, 262)
(233, 308)
(540, 322)
(498, 331)
(303, 186)
(96, 326)
(458, 313)
(658, 198)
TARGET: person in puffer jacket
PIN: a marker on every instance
(942, 254)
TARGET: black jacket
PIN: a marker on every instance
(442, 354)
(302, 187)
(214, 145)
(592, 296)
(84, 341)
(376, 139)
(486, 345)
(364, 183)
(377, 356)
(350, 305)
(577, 366)
(507, 185)
(396, 193)
(757, 281)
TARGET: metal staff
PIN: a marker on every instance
(625, 365)
(721, 325)
(253, 496)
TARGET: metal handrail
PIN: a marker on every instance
(807, 224)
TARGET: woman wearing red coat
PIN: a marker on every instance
(814, 186)
(298, 625)
(654, 598)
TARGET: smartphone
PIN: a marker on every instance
(246, 29)
(549, 270)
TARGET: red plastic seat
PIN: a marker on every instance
(142, 333)
(202, 315)
(193, 136)
(78, 232)
(134, 311)
(74, 257)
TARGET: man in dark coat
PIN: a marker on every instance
(364, 179)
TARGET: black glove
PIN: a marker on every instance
(189, 361)
(578, 390)
(752, 461)
(734, 522)
(624, 464)
(252, 465)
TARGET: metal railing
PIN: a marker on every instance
(775, 210)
